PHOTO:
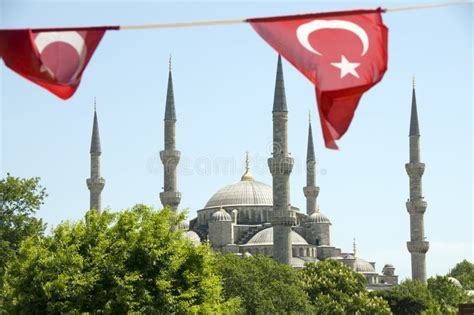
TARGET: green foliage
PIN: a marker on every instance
(19, 201)
(335, 289)
(262, 285)
(447, 294)
(464, 272)
(114, 263)
(410, 297)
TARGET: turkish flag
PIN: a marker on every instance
(342, 53)
(52, 58)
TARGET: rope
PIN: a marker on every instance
(240, 21)
(182, 24)
(426, 6)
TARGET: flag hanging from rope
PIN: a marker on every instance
(342, 53)
(52, 58)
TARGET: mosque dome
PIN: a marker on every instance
(318, 217)
(265, 237)
(193, 237)
(361, 265)
(246, 192)
(221, 215)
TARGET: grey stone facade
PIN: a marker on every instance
(170, 156)
(416, 205)
(95, 183)
(250, 217)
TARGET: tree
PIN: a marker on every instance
(335, 289)
(447, 294)
(19, 200)
(409, 298)
(464, 272)
(263, 285)
(115, 263)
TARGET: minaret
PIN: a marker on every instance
(280, 166)
(311, 191)
(170, 156)
(416, 206)
(95, 183)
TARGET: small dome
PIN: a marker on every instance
(221, 216)
(318, 217)
(361, 265)
(183, 225)
(193, 237)
(455, 282)
(265, 237)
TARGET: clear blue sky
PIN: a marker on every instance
(224, 80)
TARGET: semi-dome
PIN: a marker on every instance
(246, 192)
(221, 215)
(265, 237)
(318, 217)
(361, 265)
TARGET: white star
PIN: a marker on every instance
(346, 67)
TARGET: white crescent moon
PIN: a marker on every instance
(72, 38)
(306, 29)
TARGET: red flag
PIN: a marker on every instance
(52, 58)
(343, 53)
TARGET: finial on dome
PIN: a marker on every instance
(414, 81)
(95, 105)
(309, 116)
(354, 247)
(169, 63)
(247, 175)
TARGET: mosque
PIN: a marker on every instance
(249, 217)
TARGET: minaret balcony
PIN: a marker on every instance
(420, 247)
(417, 206)
(415, 169)
(171, 198)
(95, 183)
(311, 191)
(285, 220)
(170, 156)
(281, 166)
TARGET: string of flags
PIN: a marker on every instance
(342, 53)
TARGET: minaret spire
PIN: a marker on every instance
(354, 247)
(414, 126)
(170, 156)
(311, 191)
(416, 205)
(95, 183)
(280, 165)
(279, 100)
